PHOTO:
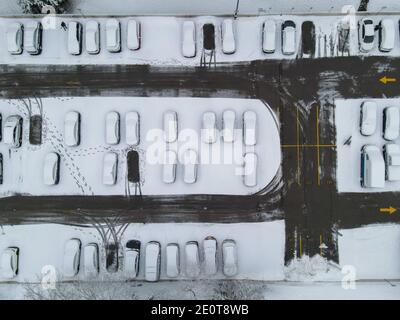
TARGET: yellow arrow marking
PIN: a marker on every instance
(386, 80)
(389, 210)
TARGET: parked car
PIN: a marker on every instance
(112, 128)
(210, 255)
(391, 155)
(132, 128)
(15, 38)
(13, 131)
(269, 36)
(188, 39)
(92, 37)
(387, 35)
(9, 262)
(190, 166)
(228, 125)
(91, 259)
(72, 128)
(372, 167)
(132, 258)
(72, 254)
(229, 258)
(170, 125)
(192, 259)
(169, 166)
(391, 123)
(173, 260)
(288, 37)
(110, 167)
(228, 36)
(366, 34)
(33, 37)
(113, 35)
(75, 38)
(209, 127)
(250, 169)
(368, 118)
(1, 169)
(133, 35)
(152, 261)
(51, 169)
(249, 128)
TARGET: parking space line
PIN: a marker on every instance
(318, 153)
(298, 144)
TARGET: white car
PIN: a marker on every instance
(190, 166)
(132, 258)
(391, 154)
(133, 35)
(366, 34)
(391, 123)
(173, 260)
(188, 39)
(210, 256)
(372, 167)
(132, 128)
(110, 167)
(192, 259)
(152, 261)
(169, 166)
(228, 125)
(112, 128)
(15, 38)
(72, 254)
(113, 35)
(288, 37)
(92, 37)
(91, 259)
(33, 37)
(228, 36)
(249, 128)
(269, 36)
(9, 262)
(170, 126)
(229, 258)
(250, 169)
(12, 134)
(368, 118)
(72, 128)
(51, 169)
(74, 38)
(387, 35)
(209, 127)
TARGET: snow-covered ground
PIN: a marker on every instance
(347, 121)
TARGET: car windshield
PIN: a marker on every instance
(368, 39)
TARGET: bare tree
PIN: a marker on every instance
(238, 290)
(36, 6)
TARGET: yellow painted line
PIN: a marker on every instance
(318, 154)
(309, 146)
(389, 210)
(301, 247)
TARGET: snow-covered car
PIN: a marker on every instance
(391, 155)
(112, 128)
(188, 39)
(12, 134)
(391, 123)
(9, 262)
(51, 169)
(368, 118)
(170, 126)
(250, 169)
(366, 34)
(110, 167)
(172, 260)
(15, 38)
(209, 127)
(387, 35)
(288, 37)
(249, 128)
(372, 167)
(228, 36)
(152, 261)
(92, 37)
(132, 258)
(228, 125)
(33, 37)
(269, 36)
(75, 38)
(91, 259)
(229, 258)
(133, 35)
(190, 166)
(132, 128)
(113, 35)
(169, 166)
(210, 255)
(192, 259)
(72, 254)
(72, 128)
